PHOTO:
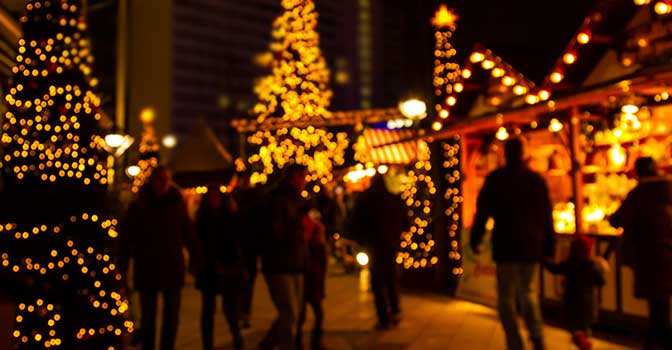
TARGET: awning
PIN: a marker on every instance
(392, 151)
(201, 159)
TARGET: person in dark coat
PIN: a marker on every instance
(222, 272)
(315, 279)
(518, 200)
(285, 257)
(583, 276)
(646, 219)
(154, 233)
(379, 218)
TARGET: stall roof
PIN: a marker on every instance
(383, 146)
(201, 159)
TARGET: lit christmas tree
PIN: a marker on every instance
(296, 93)
(149, 150)
(54, 231)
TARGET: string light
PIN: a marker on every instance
(296, 91)
(453, 201)
(149, 150)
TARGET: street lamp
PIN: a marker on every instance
(114, 140)
(133, 171)
(413, 109)
(169, 141)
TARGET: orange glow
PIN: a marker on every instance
(663, 8)
(497, 72)
(508, 80)
(557, 77)
(487, 64)
(544, 94)
(466, 73)
(641, 2)
(519, 90)
(476, 57)
(437, 126)
(445, 18)
(444, 114)
(569, 58)
(583, 38)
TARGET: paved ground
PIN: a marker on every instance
(430, 323)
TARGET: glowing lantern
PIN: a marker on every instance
(555, 125)
(502, 134)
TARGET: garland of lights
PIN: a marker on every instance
(447, 82)
(149, 150)
(53, 148)
(296, 91)
(417, 244)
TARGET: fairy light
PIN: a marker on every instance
(51, 137)
(296, 91)
(447, 74)
(453, 201)
(149, 150)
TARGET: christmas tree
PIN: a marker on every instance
(149, 150)
(294, 95)
(54, 232)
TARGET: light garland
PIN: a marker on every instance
(52, 126)
(447, 74)
(149, 151)
(417, 243)
(453, 199)
(297, 92)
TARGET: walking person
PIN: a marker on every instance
(156, 230)
(379, 218)
(222, 272)
(285, 258)
(584, 275)
(517, 199)
(315, 279)
(646, 219)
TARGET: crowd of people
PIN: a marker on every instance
(289, 234)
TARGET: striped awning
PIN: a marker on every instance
(381, 150)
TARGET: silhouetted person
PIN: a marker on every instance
(379, 218)
(583, 277)
(251, 205)
(156, 229)
(315, 278)
(646, 219)
(517, 199)
(285, 258)
(222, 272)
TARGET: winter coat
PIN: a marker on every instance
(517, 199)
(284, 247)
(219, 238)
(582, 278)
(646, 218)
(316, 273)
(379, 218)
(153, 234)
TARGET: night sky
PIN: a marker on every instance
(528, 34)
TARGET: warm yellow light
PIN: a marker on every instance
(476, 57)
(641, 2)
(662, 8)
(466, 73)
(544, 94)
(617, 156)
(133, 171)
(413, 109)
(569, 58)
(557, 77)
(169, 141)
(451, 100)
(583, 38)
(444, 114)
(519, 90)
(497, 73)
(630, 109)
(458, 87)
(437, 126)
(362, 259)
(508, 80)
(383, 169)
(487, 64)
(445, 18)
(147, 115)
(502, 134)
(114, 140)
(555, 125)
(531, 99)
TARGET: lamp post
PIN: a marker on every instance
(115, 144)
